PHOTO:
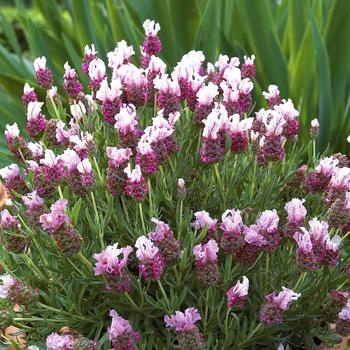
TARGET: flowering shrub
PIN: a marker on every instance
(160, 211)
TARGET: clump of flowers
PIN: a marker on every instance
(152, 189)
(272, 312)
(184, 323)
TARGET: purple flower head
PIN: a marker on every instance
(327, 166)
(42, 73)
(39, 63)
(272, 95)
(206, 94)
(32, 200)
(11, 132)
(332, 244)
(248, 67)
(36, 149)
(59, 342)
(7, 220)
(34, 110)
(304, 241)
(10, 172)
(296, 211)
(162, 230)
(215, 123)
(253, 237)
(126, 119)
(268, 221)
(106, 93)
(70, 159)
(274, 123)
(83, 144)
(283, 299)
(232, 221)
(286, 108)
(318, 230)
(344, 314)
(119, 326)
(206, 253)
(340, 179)
(134, 175)
(122, 54)
(50, 159)
(121, 334)
(118, 156)
(89, 55)
(78, 111)
(112, 259)
(97, 70)
(151, 28)
(7, 284)
(202, 220)
(183, 321)
(85, 167)
(238, 293)
(146, 250)
(29, 95)
(56, 218)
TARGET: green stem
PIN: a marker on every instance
(54, 107)
(125, 210)
(164, 295)
(100, 231)
(98, 171)
(219, 183)
(76, 268)
(252, 185)
(171, 165)
(246, 341)
(180, 224)
(60, 192)
(128, 297)
(85, 261)
(300, 280)
(142, 220)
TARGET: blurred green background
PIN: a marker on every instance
(303, 46)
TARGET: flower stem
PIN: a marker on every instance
(219, 183)
(300, 280)
(125, 210)
(141, 216)
(54, 107)
(252, 185)
(180, 223)
(100, 231)
(85, 261)
(128, 297)
(164, 295)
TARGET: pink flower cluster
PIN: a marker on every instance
(59, 225)
(163, 238)
(316, 246)
(207, 269)
(277, 304)
(121, 334)
(237, 295)
(111, 263)
(246, 242)
(184, 323)
(152, 263)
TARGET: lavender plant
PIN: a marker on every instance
(160, 211)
